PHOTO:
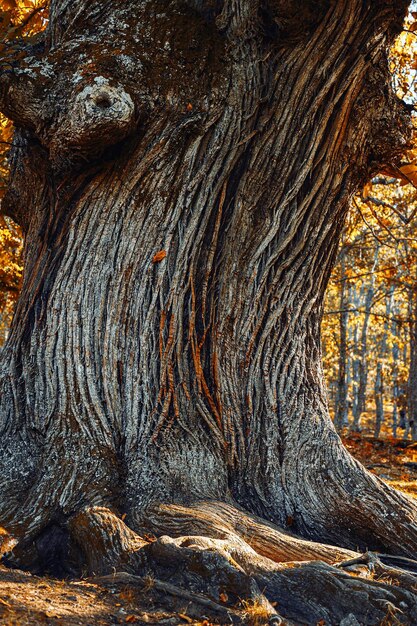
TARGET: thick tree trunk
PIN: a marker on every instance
(183, 186)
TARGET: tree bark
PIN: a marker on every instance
(182, 172)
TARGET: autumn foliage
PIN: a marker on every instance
(17, 19)
(370, 321)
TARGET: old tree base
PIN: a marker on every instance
(182, 170)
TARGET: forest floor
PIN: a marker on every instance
(393, 460)
(27, 600)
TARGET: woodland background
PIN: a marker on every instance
(369, 330)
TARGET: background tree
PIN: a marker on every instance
(380, 257)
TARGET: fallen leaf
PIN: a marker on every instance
(159, 256)
(185, 618)
(367, 190)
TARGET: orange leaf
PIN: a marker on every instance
(131, 619)
(410, 173)
(223, 597)
(185, 618)
(159, 256)
(367, 190)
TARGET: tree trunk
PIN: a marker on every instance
(395, 330)
(379, 399)
(412, 372)
(356, 301)
(379, 377)
(363, 364)
(341, 412)
(182, 172)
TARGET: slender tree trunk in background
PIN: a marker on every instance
(379, 398)
(395, 370)
(379, 377)
(182, 172)
(349, 362)
(412, 372)
(341, 413)
(356, 299)
(363, 358)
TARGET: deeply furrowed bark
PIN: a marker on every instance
(182, 172)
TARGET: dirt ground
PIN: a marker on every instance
(393, 460)
(27, 600)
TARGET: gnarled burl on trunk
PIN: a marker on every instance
(182, 170)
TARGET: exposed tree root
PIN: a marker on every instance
(223, 563)
(220, 521)
(105, 541)
(228, 565)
